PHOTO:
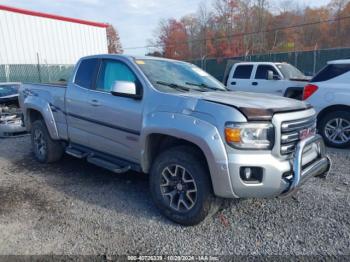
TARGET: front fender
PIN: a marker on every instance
(203, 134)
(32, 102)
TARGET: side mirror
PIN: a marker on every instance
(272, 76)
(269, 75)
(125, 89)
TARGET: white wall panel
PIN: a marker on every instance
(23, 36)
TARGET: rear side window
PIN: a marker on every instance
(331, 71)
(243, 72)
(262, 71)
(86, 73)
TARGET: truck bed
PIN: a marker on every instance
(51, 97)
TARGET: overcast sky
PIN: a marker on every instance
(136, 20)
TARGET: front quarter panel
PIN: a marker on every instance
(203, 134)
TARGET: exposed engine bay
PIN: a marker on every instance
(11, 123)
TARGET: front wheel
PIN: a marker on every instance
(335, 129)
(181, 187)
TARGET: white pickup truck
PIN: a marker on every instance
(266, 77)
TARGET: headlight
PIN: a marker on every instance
(250, 135)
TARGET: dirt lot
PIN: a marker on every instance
(72, 207)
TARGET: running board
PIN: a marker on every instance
(76, 153)
(108, 165)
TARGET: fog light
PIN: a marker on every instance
(251, 174)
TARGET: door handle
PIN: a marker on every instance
(95, 102)
(233, 83)
(255, 83)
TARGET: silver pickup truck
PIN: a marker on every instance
(170, 119)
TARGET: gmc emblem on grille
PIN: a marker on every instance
(305, 133)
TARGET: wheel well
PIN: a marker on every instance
(158, 143)
(33, 115)
(331, 109)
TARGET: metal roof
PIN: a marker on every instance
(51, 16)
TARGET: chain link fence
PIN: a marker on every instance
(35, 73)
(309, 62)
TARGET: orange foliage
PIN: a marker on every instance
(240, 27)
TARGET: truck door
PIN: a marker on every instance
(239, 78)
(78, 98)
(115, 121)
(262, 84)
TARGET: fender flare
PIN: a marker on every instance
(44, 108)
(199, 132)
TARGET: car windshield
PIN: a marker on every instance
(290, 72)
(176, 76)
(7, 90)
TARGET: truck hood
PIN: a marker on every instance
(254, 106)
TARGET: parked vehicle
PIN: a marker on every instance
(10, 114)
(174, 121)
(280, 79)
(329, 93)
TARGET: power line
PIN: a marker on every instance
(242, 34)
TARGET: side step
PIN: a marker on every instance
(76, 153)
(108, 165)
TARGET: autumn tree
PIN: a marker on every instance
(113, 40)
(173, 39)
(339, 8)
(229, 28)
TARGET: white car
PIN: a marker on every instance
(280, 79)
(329, 93)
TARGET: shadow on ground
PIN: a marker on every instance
(124, 193)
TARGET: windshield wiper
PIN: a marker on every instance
(173, 85)
(206, 86)
(177, 87)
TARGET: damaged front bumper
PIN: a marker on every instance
(278, 177)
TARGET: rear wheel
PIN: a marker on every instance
(45, 149)
(181, 187)
(335, 129)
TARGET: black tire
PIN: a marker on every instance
(188, 158)
(52, 150)
(329, 119)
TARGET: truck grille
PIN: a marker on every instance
(293, 131)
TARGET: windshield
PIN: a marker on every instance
(290, 72)
(173, 76)
(7, 90)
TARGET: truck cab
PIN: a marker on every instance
(280, 79)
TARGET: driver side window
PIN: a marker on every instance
(112, 71)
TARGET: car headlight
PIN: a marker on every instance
(250, 135)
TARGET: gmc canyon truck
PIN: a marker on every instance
(170, 119)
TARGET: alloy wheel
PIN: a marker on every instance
(178, 188)
(39, 143)
(337, 130)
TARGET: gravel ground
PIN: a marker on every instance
(72, 207)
